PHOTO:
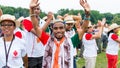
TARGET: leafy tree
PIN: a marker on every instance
(108, 17)
(62, 12)
(116, 19)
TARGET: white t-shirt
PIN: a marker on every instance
(17, 51)
(90, 47)
(34, 47)
(112, 47)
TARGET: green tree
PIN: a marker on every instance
(95, 16)
(116, 19)
(62, 12)
(109, 17)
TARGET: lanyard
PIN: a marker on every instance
(7, 53)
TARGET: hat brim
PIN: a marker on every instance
(114, 28)
(69, 21)
(8, 20)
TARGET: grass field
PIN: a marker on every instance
(101, 61)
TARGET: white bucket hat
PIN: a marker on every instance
(9, 17)
(69, 19)
(113, 26)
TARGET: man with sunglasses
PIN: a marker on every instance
(58, 51)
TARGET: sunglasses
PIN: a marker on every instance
(7, 25)
(56, 28)
(70, 24)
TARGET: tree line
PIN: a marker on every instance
(95, 15)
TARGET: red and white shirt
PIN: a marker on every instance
(113, 46)
(90, 46)
(34, 46)
(17, 51)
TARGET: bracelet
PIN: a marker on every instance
(85, 18)
(31, 15)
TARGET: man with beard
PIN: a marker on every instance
(58, 51)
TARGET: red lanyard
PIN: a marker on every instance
(7, 53)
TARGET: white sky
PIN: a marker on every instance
(54, 5)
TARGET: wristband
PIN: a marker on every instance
(85, 18)
(31, 15)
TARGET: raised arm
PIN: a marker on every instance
(33, 17)
(50, 17)
(100, 29)
(86, 7)
(1, 12)
(84, 26)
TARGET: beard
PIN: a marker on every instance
(58, 36)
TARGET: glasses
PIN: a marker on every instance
(56, 28)
(7, 25)
(70, 24)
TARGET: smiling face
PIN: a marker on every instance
(58, 30)
(7, 27)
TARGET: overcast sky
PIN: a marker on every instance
(54, 5)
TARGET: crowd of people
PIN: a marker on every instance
(54, 42)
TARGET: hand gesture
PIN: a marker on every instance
(103, 21)
(50, 15)
(33, 3)
(85, 5)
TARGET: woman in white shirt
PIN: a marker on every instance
(90, 46)
(113, 45)
(12, 48)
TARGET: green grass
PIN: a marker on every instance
(101, 61)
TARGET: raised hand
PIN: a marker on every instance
(34, 3)
(50, 15)
(1, 13)
(85, 5)
(103, 21)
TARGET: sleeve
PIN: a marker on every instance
(27, 24)
(75, 40)
(88, 36)
(18, 34)
(44, 37)
(114, 36)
